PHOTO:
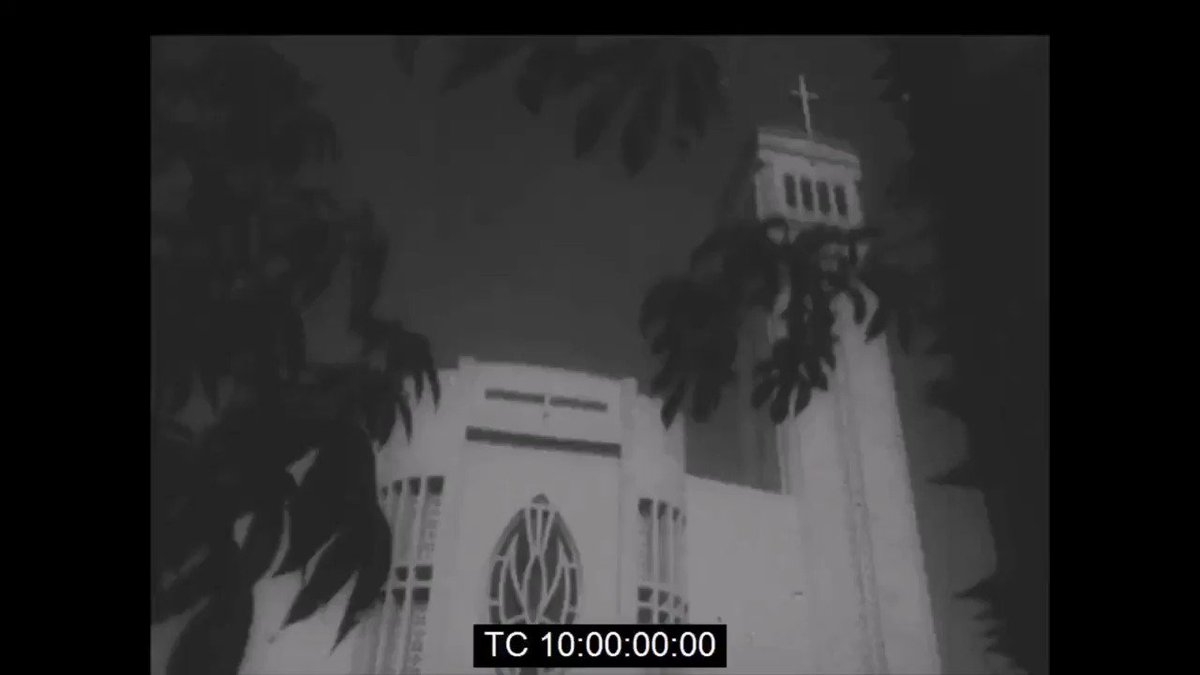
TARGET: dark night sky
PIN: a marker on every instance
(505, 247)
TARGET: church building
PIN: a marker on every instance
(539, 495)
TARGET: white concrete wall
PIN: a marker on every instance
(861, 544)
(779, 570)
(497, 482)
(818, 479)
(744, 570)
(549, 419)
(897, 564)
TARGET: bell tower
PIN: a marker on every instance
(789, 172)
(843, 458)
(795, 174)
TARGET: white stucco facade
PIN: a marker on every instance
(827, 579)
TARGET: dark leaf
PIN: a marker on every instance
(762, 391)
(204, 558)
(406, 416)
(764, 368)
(947, 395)
(431, 375)
(411, 356)
(940, 346)
(706, 395)
(404, 50)
(531, 90)
(860, 304)
(542, 72)
(886, 71)
(342, 474)
(595, 116)
(172, 430)
(640, 136)
(311, 527)
(671, 405)
(248, 448)
(803, 396)
(666, 375)
(346, 464)
(383, 418)
(476, 56)
(665, 342)
(708, 76)
(700, 92)
(262, 542)
(194, 583)
(691, 103)
(986, 590)
(965, 475)
(815, 372)
(779, 405)
(214, 641)
(366, 281)
(593, 66)
(985, 615)
(333, 569)
(303, 136)
(316, 253)
(372, 574)
(879, 319)
(659, 302)
(828, 358)
(852, 251)
(187, 515)
(739, 246)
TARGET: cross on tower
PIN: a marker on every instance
(805, 96)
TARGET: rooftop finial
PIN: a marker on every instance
(805, 96)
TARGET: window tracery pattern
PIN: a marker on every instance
(533, 576)
(661, 584)
(414, 505)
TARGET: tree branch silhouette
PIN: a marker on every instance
(235, 263)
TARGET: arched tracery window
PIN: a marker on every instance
(533, 575)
